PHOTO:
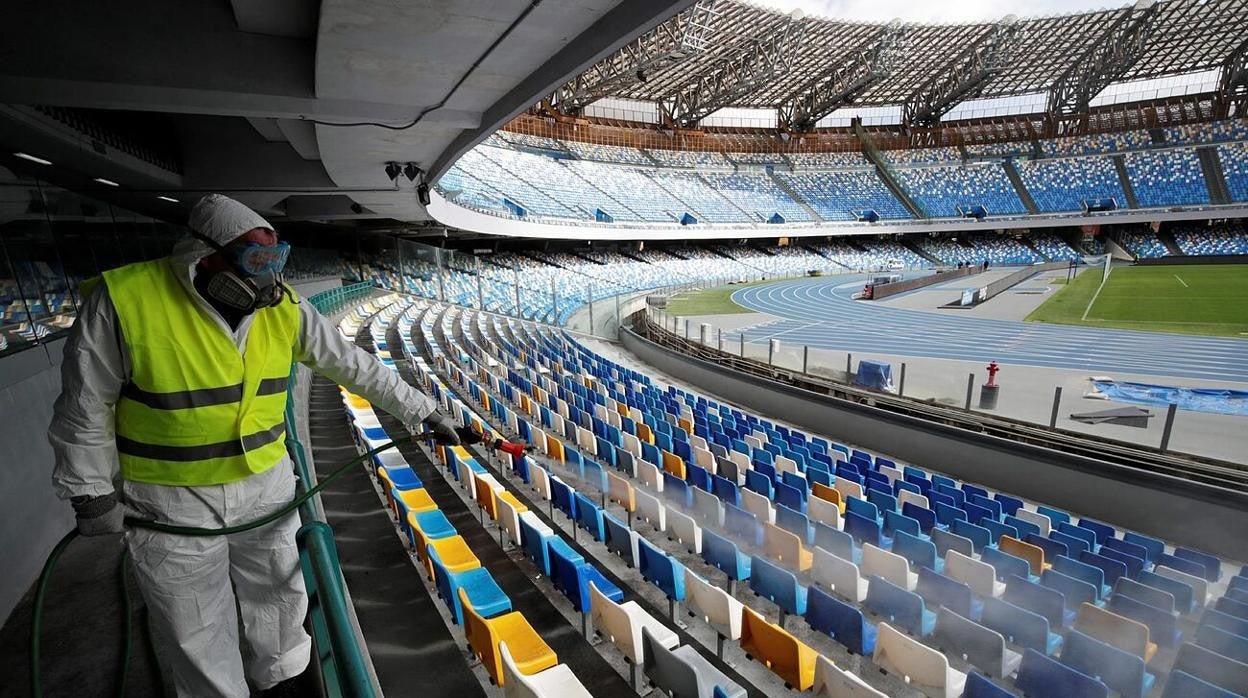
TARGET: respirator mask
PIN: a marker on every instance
(254, 280)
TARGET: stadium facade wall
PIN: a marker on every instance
(1171, 508)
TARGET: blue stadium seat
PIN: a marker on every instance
(726, 490)
(1074, 591)
(979, 536)
(1212, 565)
(1009, 505)
(917, 551)
(938, 590)
(661, 570)
(1084, 572)
(1103, 531)
(1207, 665)
(572, 576)
(902, 608)
(536, 546)
(1006, 564)
(742, 524)
(946, 541)
(1121, 671)
(894, 523)
(1040, 599)
(981, 647)
(1112, 569)
(1020, 626)
(486, 597)
(863, 529)
(589, 517)
(839, 543)
(1041, 677)
(925, 517)
(778, 585)
(1183, 565)
(1184, 595)
(561, 496)
(1153, 546)
(1231, 607)
(724, 555)
(1222, 642)
(1023, 527)
(796, 523)
(842, 621)
(620, 539)
(1229, 623)
(1183, 685)
(1050, 547)
(1162, 626)
(979, 686)
(1146, 594)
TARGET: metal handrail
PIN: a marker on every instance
(344, 668)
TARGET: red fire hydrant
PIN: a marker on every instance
(992, 373)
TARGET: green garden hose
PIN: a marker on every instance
(36, 623)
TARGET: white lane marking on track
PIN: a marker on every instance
(1181, 281)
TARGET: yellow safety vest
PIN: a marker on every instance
(197, 411)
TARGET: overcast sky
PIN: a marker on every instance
(936, 10)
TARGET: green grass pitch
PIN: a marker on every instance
(711, 301)
(1188, 299)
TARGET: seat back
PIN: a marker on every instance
(723, 554)
(836, 573)
(895, 604)
(1210, 666)
(620, 540)
(1183, 593)
(923, 667)
(661, 570)
(535, 545)
(1212, 565)
(1147, 594)
(880, 562)
(1121, 671)
(1034, 597)
(1183, 685)
(1004, 563)
(566, 572)
(895, 523)
(979, 646)
(978, 686)
(979, 576)
(916, 551)
(979, 536)
(1073, 591)
(1162, 626)
(651, 509)
(1033, 554)
(684, 529)
(589, 516)
(667, 670)
(834, 682)
(946, 541)
(863, 529)
(778, 585)
(1041, 677)
(612, 622)
(842, 621)
(939, 590)
(707, 507)
(1200, 587)
(822, 510)
(772, 645)
(758, 505)
(714, 605)
(1121, 632)
(620, 491)
(510, 519)
(1017, 625)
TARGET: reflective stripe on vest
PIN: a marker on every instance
(197, 412)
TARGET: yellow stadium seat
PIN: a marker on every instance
(674, 464)
(416, 500)
(554, 449)
(828, 494)
(455, 555)
(790, 658)
(1033, 554)
(528, 650)
(643, 433)
(483, 492)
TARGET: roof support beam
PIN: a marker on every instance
(669, 44)
(747, 68)
(842, 82)
(1109, 56)
(964, 77)
(1233, 83)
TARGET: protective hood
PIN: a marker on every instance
(218, 218)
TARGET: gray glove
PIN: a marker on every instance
(102, 515)
(443, 428)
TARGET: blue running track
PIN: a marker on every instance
(820, 312)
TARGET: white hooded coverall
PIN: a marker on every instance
(191, 584)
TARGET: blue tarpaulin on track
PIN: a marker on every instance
(1216, 400)
(874, 374)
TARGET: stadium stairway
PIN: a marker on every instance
(1211, 166)
(784, 187)
(1020, 188)
(1124, 179)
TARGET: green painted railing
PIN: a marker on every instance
(344, 669)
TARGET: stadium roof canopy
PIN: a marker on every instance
(726, 53)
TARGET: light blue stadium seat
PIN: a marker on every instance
(1042, 677)
(1121, 671)
(1020, 626)
(1162, 626)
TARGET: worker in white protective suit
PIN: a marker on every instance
(174, 381)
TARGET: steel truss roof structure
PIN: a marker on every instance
(726, 53)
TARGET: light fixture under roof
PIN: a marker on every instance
(170, 199)
(32, 158)
(109, 182)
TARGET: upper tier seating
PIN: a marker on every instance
(941, 190)
(839, 196)
(1064, 184)
(1167, 178)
